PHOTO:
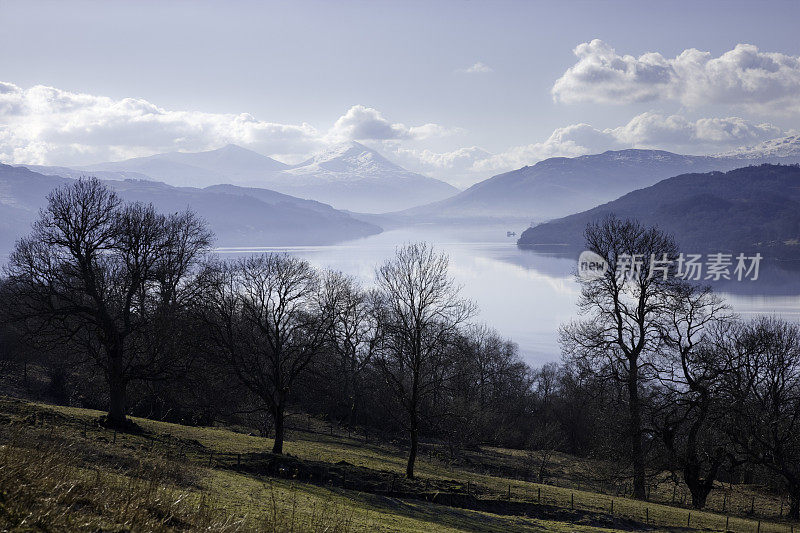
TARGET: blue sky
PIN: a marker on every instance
(289, 78)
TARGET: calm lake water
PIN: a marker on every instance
(524, 295)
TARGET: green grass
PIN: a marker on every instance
(195, 470)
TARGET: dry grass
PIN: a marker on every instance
(45, 485)
(52, 480)
(185, 478)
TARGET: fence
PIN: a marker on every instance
(574, 504)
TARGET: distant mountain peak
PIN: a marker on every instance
(342, 149)
(349, 156)
(232, 148)
(788, 146)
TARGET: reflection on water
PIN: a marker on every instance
(525, 295)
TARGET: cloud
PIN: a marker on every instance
(648, 130)
(477, 68)
(362, 123)
(744, 76)
(461, 159)
(46, 125)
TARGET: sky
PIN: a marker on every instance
(453, 89)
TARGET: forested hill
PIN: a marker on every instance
(747, 209)
(239, 216)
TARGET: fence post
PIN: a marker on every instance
(647, 515)
(509, 491)
(689, 519)
(753, 505)
(612, 507)
(674, 488)
(780, 513)
(726, 523)
(724, 500)
(238, 461)
(539, 496)
(467, 488)
(572, 501)
(758, 529)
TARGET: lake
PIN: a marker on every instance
(525, 295)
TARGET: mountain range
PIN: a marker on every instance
(356, 178)
(749, 209)
(348, 176)
(559, 186)
(238, 216)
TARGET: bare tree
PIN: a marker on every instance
(261, 315)
(352, 338)
(421, 314)
(97, 273)
(687, 413)
(624, 310)
(762, 399)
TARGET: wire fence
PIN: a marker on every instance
(728, 510)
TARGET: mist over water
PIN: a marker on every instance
(525, 295)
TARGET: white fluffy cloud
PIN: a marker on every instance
(652, 130)
(45, 125)
(744, 76)
(647, 130)
(362, 123)
(477, 68)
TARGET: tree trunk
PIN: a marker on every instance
(699, 490)
(699, 483)
(412, 453)
(635, 428)
(794, 502)
(117, 408)
(413, 410)
(117, 389)
(278, 418)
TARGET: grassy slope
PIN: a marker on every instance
(183, 478)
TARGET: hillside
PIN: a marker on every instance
(560, 186)
(348, 176)
(230, 164)
(353, 177)
(61, 470)
(238, 216)
(743, 210)
(784, 147)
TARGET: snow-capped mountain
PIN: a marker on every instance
(562, 185)
(559, 186)
(778, 148)
(348, 176)
(354, 177)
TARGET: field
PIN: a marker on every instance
(60, 470)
